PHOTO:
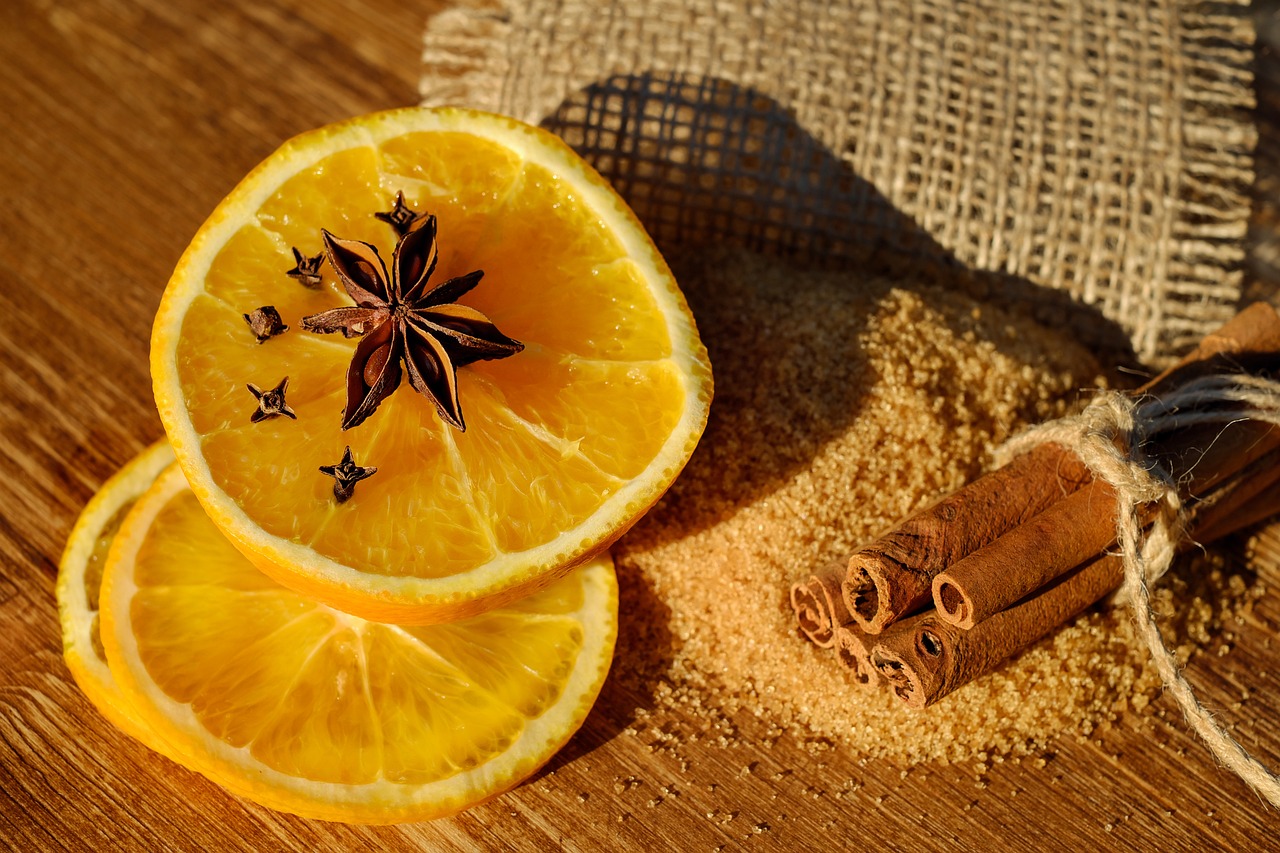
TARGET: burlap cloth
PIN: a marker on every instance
(1097, 149)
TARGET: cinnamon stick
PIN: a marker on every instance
(894, 575)
(819, 605)
(1256, 329)
(853, 650)
(1247, 498)
(1084, 524)
(1057, 540)
(924, 658)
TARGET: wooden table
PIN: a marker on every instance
(124, 124)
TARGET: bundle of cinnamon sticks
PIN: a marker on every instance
(983, 573)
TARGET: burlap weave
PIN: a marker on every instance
(1098, 148)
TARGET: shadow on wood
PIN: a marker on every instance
(711, 168)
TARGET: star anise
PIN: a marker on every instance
(345, 476)
(306, 271)
(404, 321)
(400, 217)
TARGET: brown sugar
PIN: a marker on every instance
(842, 405)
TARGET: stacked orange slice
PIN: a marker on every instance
(418, 371)
(566, 443)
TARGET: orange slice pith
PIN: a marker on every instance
(80, 581)
(306, 709)
(567, 442)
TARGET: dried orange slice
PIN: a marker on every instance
(566, 443)
(80, 582)
(306, 709)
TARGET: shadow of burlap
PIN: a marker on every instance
(704, 162)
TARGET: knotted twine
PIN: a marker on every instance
(1111, 436)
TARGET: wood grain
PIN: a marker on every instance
(125, 123)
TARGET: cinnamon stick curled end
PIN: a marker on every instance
(877, 591)
(924, 658)
(819, 606)
(853, 650)
(952, 602)
(914, 658)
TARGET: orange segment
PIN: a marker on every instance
(560, 277)
(316, 367)
(408, 524)
(306, 709)
(251, 270)
(209, 622)
(464, 170)
(606, 312)
(468, 727)
(527, 679)
(255, 459)
(568, 442)
(570, 398)
(461, 178)
(341, 192)
(536, 486)
(322, 727)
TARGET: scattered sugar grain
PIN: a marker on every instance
(840, 407)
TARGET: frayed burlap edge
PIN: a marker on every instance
(1146, 226)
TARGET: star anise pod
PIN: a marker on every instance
(402, 320)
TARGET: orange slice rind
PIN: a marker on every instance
(80, 580)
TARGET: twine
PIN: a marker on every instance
(1110, 436)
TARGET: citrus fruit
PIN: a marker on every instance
(306, 709)
(80, 581)
(478, 434)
